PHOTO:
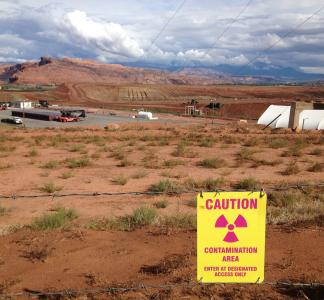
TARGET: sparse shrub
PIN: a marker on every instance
(57, 219)
(139, 174)
(252, 142)
(316, 151)
(125, 163)
(5, 166)
(78, 148)
(32, 153)
(317, 167)
(209, 184)
(38, 254)
(293, 151)
(249, 183)
(278, 143)
(165, 186)
(74, 163)
(179, 221)
(171, 163)
(291, 169)
(182, 150)
(119, 180)
(230, 139)
(245, 155)
(66, 175)
(207, 142)
(50, 188)
(161, 204)
(212, 163)
(3, 210)
(52, 164)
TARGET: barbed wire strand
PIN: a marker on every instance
(175, 192)
(120, 289)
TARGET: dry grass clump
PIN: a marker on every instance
(166, 186)
(292, 169)
(316, 152)
(3, 210)
(151, 160)
(142, 216)
(161, 204)
(293, 207)
(32, 153)
(59, 218)
(230, 139)
(171, 163)
(276, 143)
(66, 175)
(249, 183)
(317, 167)
(207, 142)
(74, 163)
(52, 164)
(4, 166)
(245, 155)
(139, 174)
(208, 184)
(119, 180)
(182, 150)
(212, 163)
(50, 188)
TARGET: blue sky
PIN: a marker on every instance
(114, 31)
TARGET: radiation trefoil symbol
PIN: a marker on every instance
(230, 236)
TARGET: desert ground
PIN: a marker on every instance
(71, 237)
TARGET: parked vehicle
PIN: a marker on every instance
(3, 107)
(67, 119)
(13, 120)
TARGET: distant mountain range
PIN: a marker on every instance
(59, 71)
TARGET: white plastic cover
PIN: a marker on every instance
(311, 119)
(321, 125)
(272, 112)
(283, 121)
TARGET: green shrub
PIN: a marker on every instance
(66, 175)
(249, 183)
(212, 163)
(57, 219)
(183, 151)
(50, 188)
(139, 174)
(165, 186)
(32, 153)
(52, 164)
(209, 184)
(179, 221)
(74, 163)
(171, 163)
(161, 204)
(119, 180)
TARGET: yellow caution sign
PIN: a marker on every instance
(231, 237)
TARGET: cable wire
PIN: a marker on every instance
(230, 25)
(283, 37)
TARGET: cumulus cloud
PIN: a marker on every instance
(105, 37)
(122, 31)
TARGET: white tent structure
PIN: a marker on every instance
(277, 116)
(311, 119)
(281, 112)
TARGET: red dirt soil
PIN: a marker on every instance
(78, 259)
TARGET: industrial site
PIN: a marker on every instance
(166, 150)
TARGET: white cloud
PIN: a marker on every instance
(120, 31)
(107, 37)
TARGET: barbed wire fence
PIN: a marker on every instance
(72, 293)
(287, 187)
(144, 287)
